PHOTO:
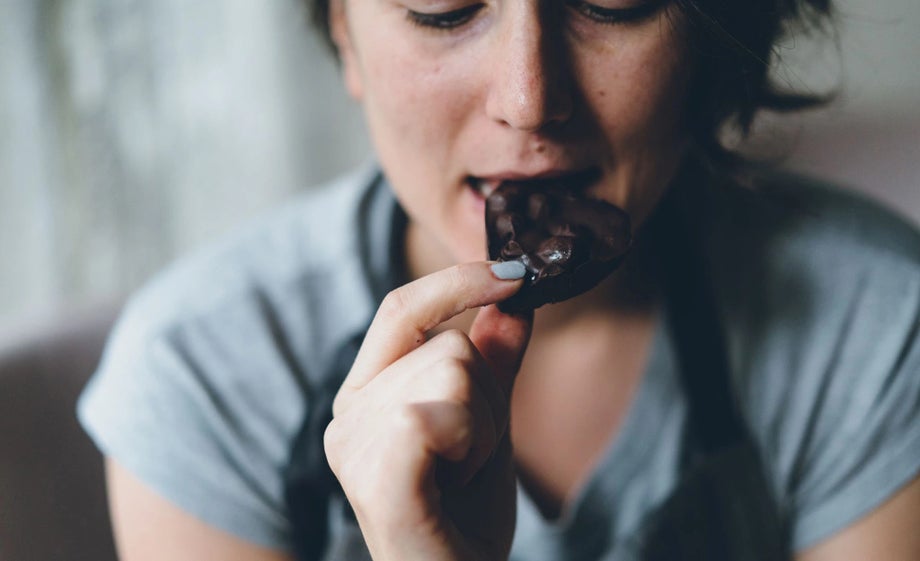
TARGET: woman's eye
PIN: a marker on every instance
(444, 20)
(616, 15)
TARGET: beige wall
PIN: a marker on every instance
(868, 139)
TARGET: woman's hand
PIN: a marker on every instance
(419, 439)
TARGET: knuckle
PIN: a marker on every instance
(455, 343)
(453, 379)
(339, 403)
(466, 426)
(331, 444)
(396, 304)
(408, 420)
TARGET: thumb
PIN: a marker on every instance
(502, 339)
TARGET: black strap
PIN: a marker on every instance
(309, 483)
(693, 320)
(723, 508)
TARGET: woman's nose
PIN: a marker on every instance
(530, 84)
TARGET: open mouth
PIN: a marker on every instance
(576, 182)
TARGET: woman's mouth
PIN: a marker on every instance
(576, 181)
(484, 187)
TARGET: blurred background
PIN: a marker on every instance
(133, 131)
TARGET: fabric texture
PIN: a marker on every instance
(213, 367)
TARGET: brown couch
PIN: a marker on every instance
(52, 495)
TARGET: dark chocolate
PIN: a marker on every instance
(567, 243)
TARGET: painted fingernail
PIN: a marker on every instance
(509, 270)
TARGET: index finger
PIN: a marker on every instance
(410, 311)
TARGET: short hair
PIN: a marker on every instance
(736, 42)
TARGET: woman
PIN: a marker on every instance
(745, 387)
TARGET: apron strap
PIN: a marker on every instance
(692, 318)
(309, 483)
(723, 508)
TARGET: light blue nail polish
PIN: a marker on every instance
(509, 270)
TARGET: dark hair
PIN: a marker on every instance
(735, 41)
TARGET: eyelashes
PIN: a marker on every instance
(612, 16)
(446, 21)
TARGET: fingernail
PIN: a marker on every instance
(509, 270)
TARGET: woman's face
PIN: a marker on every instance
(460, 95)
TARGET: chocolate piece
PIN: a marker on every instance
(568, 243)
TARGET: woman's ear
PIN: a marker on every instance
(341, 36)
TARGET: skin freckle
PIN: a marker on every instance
(489, 101)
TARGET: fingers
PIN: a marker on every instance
(446, 370)
(447, 428)
(449, 369)
(439, 412)
(409, 406)
(406, 401)
(502, 339)
(410, 311)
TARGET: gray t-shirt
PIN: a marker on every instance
(211, 369)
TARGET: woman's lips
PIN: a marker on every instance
(575, 181)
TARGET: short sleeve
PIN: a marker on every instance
(851, 436)
(201, 410)
(209, 375)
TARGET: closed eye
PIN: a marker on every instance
(444, 20)
(615, 15)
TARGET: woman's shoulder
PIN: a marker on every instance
(810, 260)
(813, 271)
(783, 213)
(296, 256)
(819, 290)
(309, 234)
(212, 366)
